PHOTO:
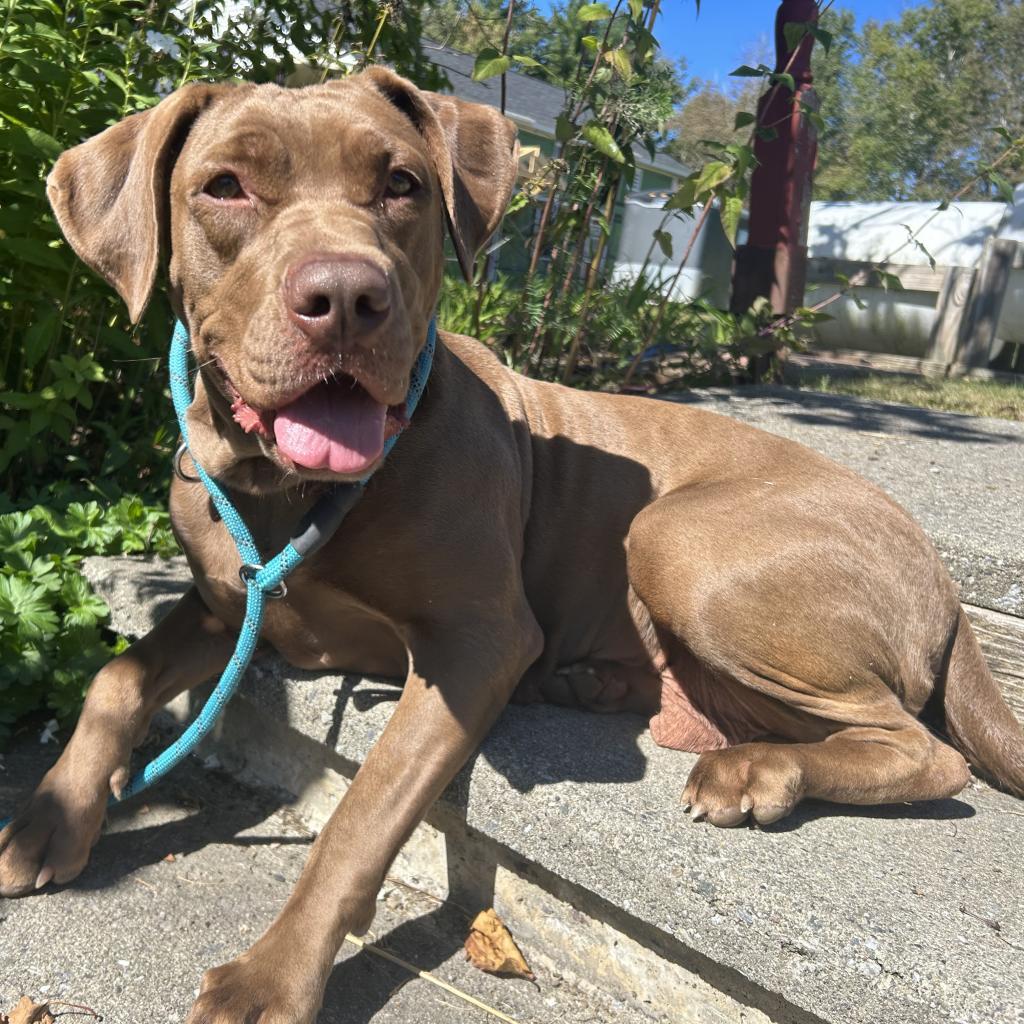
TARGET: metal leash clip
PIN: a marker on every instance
(176, 465)
(248, 572)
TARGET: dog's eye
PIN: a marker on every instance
(224, 186)
(400, 183)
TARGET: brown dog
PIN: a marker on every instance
(775, 611)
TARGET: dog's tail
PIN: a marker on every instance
(978, 719)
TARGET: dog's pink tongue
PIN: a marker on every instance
(335, 426)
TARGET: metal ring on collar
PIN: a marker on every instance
(176, 465)
(248, 572)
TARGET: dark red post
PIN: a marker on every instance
(773, 263)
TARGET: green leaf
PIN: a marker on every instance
(591, 43)
(36, 252)
(743, 118)
(768, 134)
(636, 9)
(743, 158)
(601, 139)
(593, 12)
(783, 78)
(664, 240)
(84, 607)
(918, 244)
(564, 128)
(795, 32)
(527, 62)
(732, 211)
(824, 37)
(27, 608)
(37, 339)
(19, 400)
(1003, 187)
(887, 281)
(746, 71)
(17, 532)
(619, 60)
(815, 119)
(38, 141)
(684, 197)
(807, 317)
(489, 62)
(118, 80)
(711, 176)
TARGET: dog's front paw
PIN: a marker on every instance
(51, 838)
(763, 780)
(251, 990)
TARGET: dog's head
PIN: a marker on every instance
(304, 230)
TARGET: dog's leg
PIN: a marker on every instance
(457, 686)
(853, 766)
(829, 633)
(53, 834)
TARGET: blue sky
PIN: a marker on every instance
(727, 32)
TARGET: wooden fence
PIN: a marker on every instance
(968, 305)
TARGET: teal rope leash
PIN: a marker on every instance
(261, 581)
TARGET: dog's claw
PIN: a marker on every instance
(697, 811)
(118, 781)
(746, 804)
(45, 875)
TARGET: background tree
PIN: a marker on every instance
(910, 104)
(707, 113)
(472, 25)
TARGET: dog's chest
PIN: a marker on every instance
(318, 624)
(314, 626)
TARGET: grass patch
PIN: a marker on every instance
(974, 397)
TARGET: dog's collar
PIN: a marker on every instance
(320, 523)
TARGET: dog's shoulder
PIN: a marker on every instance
(477, 361)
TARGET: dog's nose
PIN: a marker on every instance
(337, 299)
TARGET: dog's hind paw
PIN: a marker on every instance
(761, 780)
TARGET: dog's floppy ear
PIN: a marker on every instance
(110, 194)
(475, 153)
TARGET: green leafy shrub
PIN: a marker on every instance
(479, 313)
(84, 408)
(73, 371)
(52, 626)
(631, 337)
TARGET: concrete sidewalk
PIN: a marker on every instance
(133, 935)
(569, 823)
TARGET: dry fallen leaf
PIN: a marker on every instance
(27, 1012)
(170, 858)
(490, 947)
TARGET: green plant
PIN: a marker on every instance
(463, 309)
(633, 337)
(52, 626)
(85, 418)
(80, 395)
